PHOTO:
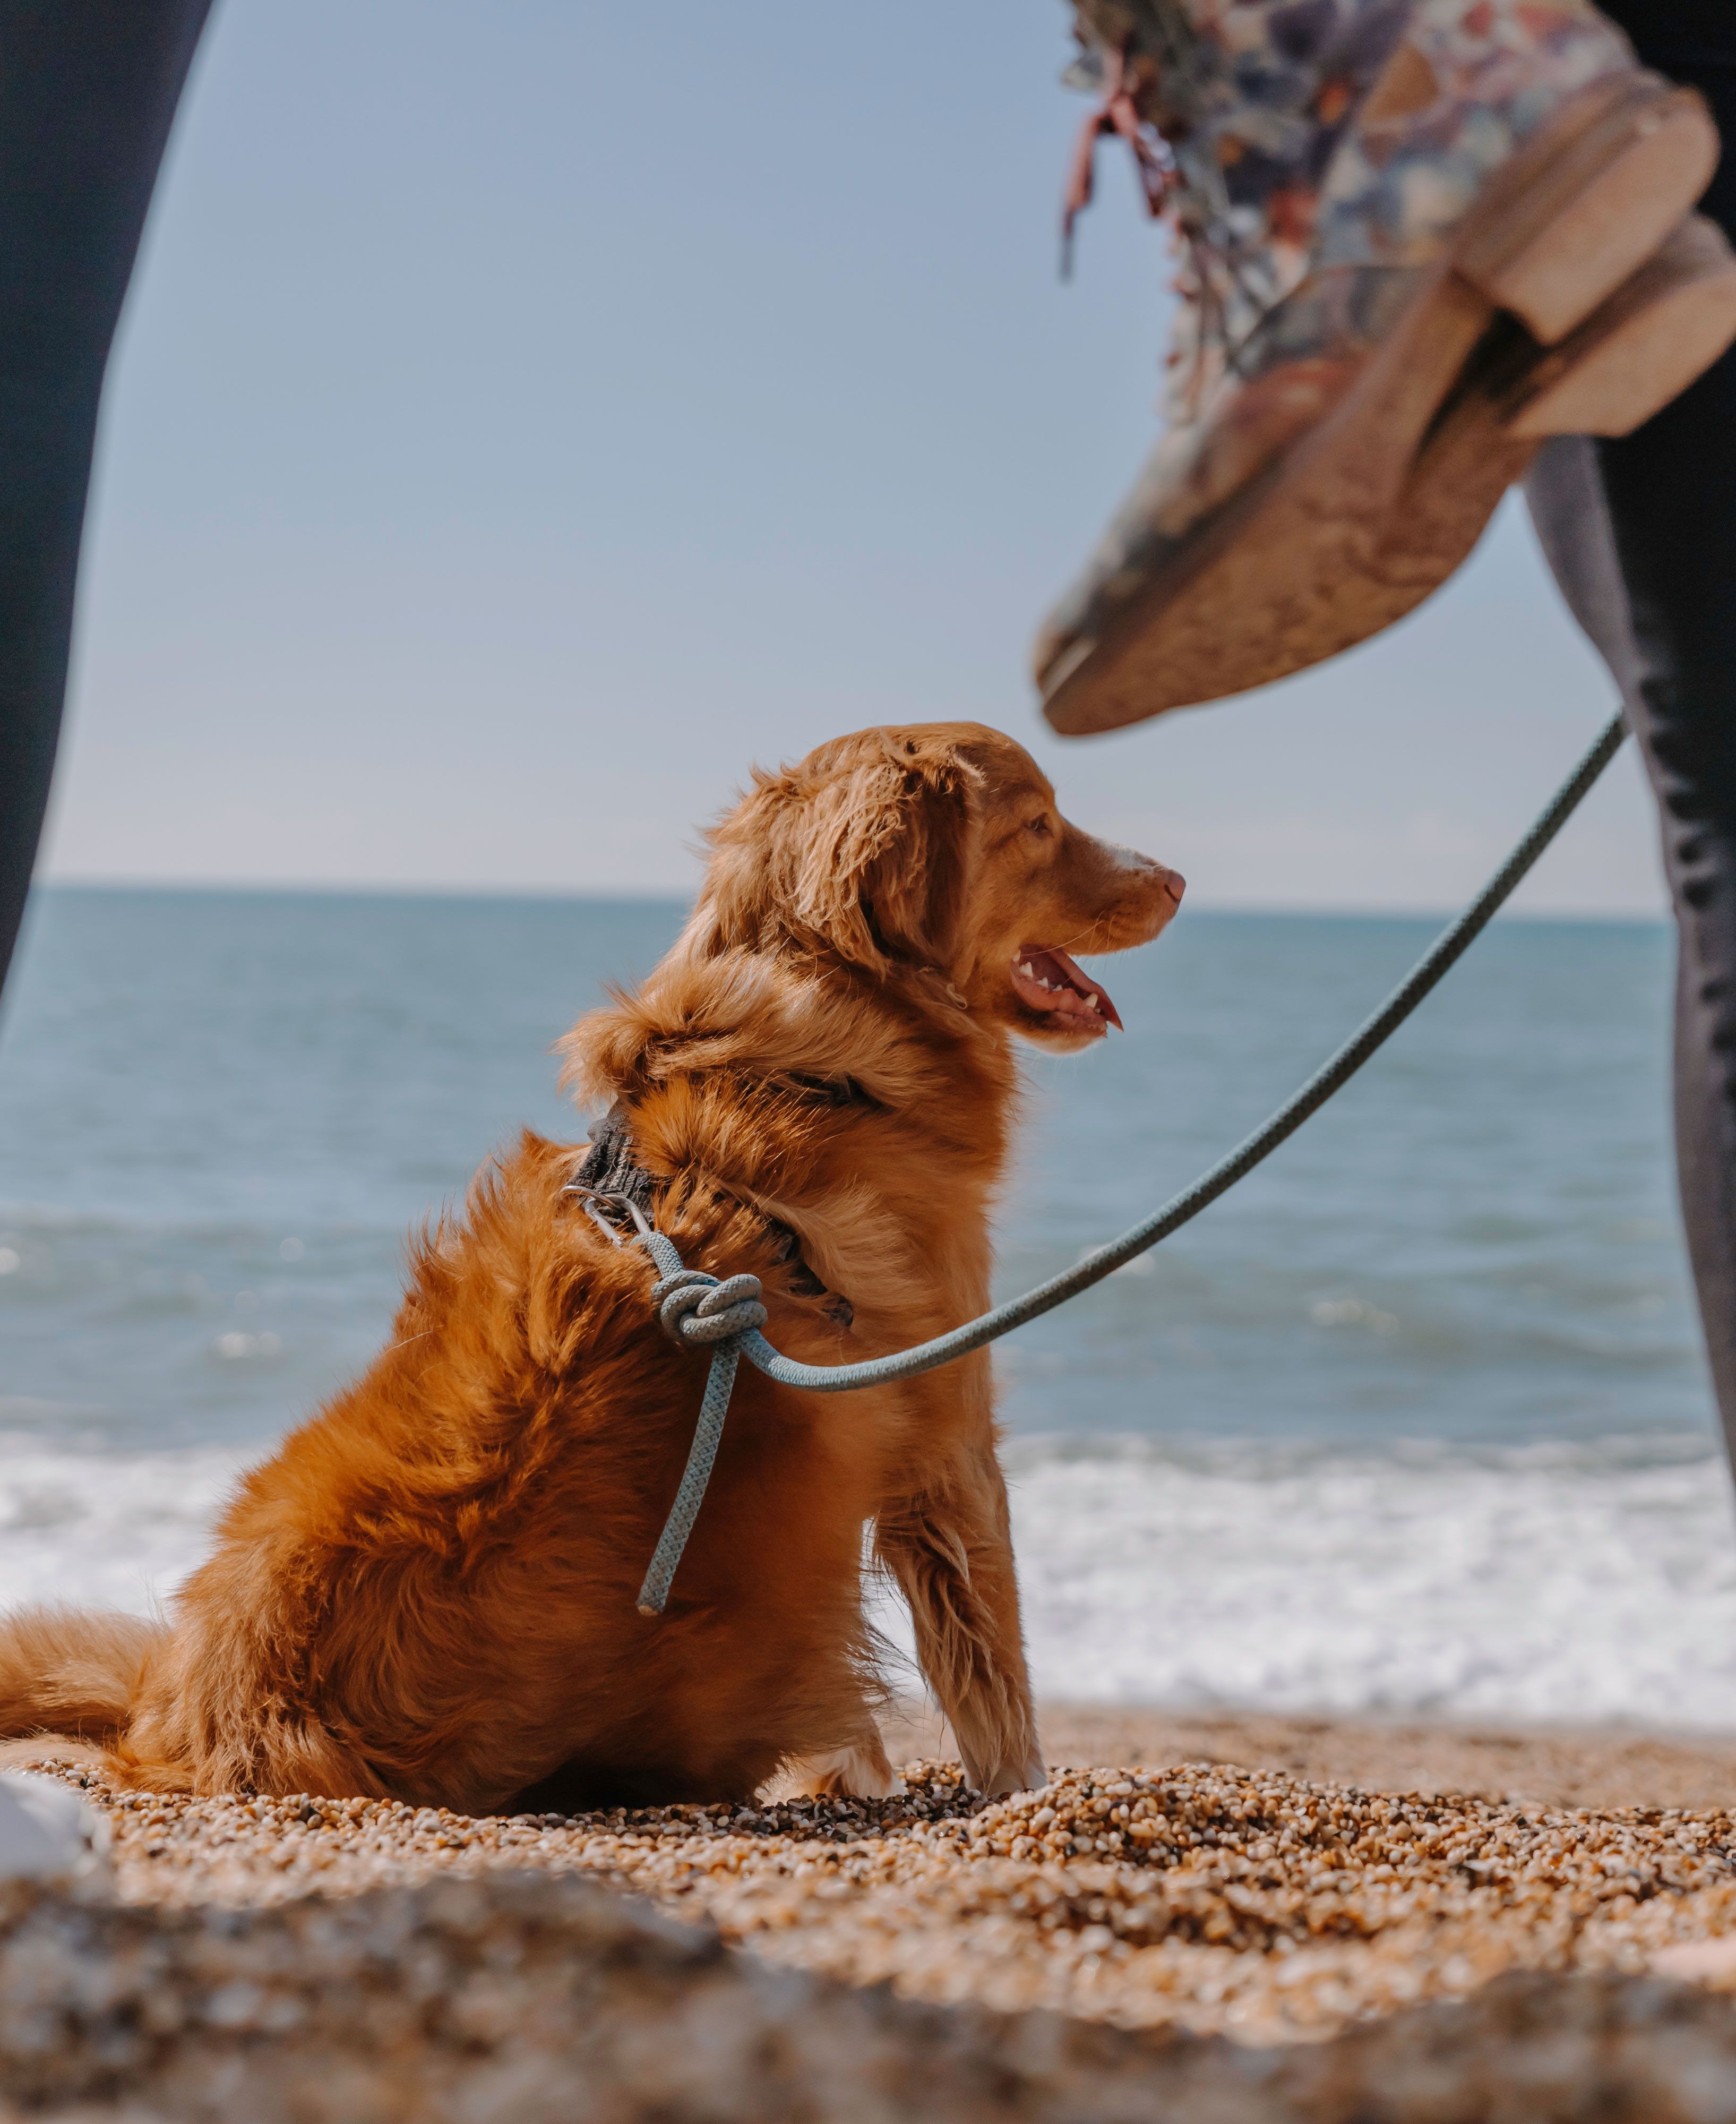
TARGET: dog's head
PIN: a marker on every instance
(936, 850)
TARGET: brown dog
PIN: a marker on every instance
(429, 1591)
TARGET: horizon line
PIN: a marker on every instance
(671, 896)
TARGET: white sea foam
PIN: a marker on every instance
(106, 1529)
(1556, 1581)
(1581, 1582)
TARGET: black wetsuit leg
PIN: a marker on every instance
(1641, 535)
(87, 94)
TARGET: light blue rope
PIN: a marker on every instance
(695, 1309)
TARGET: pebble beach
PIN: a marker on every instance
(1227, 1912)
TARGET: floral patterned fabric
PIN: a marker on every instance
(1272, 111)
(1397, 186)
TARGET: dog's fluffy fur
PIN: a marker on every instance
(429, 1591)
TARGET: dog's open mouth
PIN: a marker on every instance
(1057, 985)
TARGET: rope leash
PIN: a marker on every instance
(696, 1310)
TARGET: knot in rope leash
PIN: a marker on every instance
(693, 1308)
(696, 1310)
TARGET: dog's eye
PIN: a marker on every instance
(1039, 826)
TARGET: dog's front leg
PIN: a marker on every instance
(950, 1551)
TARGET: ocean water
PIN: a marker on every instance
(1415, 1420)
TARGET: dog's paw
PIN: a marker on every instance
(1003, 1779)
(862, 1772)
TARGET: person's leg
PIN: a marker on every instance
(1641, 535)
(87, 94)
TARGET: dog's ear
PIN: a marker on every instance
(883, 855)
(862, 849)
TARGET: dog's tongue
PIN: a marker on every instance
(1050, 980)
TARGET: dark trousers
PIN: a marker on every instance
(87, 93)
(1641, 535)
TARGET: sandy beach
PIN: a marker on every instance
(1555, 1765)
(1271, 1909)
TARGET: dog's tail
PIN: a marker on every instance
(71, 1674)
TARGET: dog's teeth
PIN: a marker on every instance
(1026, 971)
(1090, 1003)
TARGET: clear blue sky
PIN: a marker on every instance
(529, 413)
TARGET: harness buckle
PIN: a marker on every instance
(601, 1204)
